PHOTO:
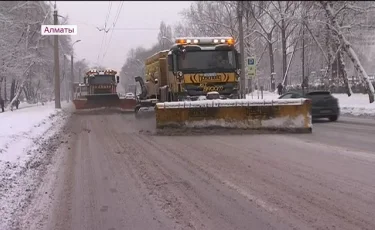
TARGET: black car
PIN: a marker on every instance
(324, 105)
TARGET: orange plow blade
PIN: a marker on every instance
(92, 102)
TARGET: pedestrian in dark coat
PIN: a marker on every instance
(2, 104)
(280, 89)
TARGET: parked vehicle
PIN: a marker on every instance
(324, 105)
(129, 96)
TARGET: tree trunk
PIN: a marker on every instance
(330, 55)
(272, 61)
(21, 86)
(26, 92)
(283, 47)
(5, 89)
(1, 86)
(343, 72)
(12, 88)
(350, 52)
(16, 85)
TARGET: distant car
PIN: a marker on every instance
(129, 96)
(212, 95)
(324, 105)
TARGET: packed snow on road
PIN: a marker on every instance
(25, 140)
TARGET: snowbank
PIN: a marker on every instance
(356, 105)
(21, 128)
(266, 95)
(23, 134)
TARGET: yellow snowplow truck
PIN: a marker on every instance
(195, 85)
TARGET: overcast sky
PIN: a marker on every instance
(145, 16)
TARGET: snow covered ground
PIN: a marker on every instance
(24, 143)
(356, 105)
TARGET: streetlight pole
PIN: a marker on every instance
(65, 82)
(72, 72)
(79, 71)
(242, 48)
(303, 58)
(57, 66)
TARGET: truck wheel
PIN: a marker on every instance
(333, 118)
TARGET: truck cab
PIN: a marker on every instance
(101, 82)
(203, 65)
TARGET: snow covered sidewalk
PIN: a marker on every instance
(22, 128)
(25, 137)
(356, 105)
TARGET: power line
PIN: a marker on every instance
(105, 27)
(101, 46)
(135, 29)
(109, 12)
(114, 24)
(118, 14)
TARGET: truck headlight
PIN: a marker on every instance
(238, 71)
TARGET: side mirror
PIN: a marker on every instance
(170, 63)
(84, 80)
(118, 79)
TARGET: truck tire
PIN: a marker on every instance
(333, 118)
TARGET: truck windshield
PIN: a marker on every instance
(102, 79)
(207, 60)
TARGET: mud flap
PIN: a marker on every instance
(280, 115)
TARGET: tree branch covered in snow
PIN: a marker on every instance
(349, 50)
(27, 55)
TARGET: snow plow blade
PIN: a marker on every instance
(291, 115)
(112, 101)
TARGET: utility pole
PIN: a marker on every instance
(57, 64)
(65, 89)
(242, 48)
(79, 74)
(71, 78)
(303, 58)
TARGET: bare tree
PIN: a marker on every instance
(165, 36)
(211, 18)
(27, 59)
(267, 27)
(347, 47)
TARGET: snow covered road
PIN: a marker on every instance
(113, 174)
